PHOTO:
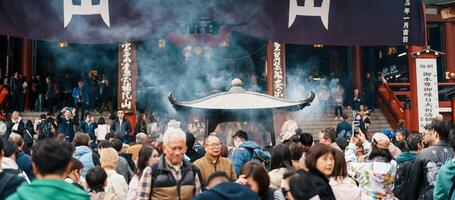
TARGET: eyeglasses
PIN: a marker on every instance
(214, 145)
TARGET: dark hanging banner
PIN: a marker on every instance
(328, 22)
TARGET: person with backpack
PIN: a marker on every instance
(8, 182)
(212, 161)
(9, 164)
(46, 128)
(247, 150)
(172, 177)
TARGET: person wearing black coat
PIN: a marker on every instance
(67, 124)
(15, 125)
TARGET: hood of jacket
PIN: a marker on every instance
(406, 156)
(81, 150)
(250, 145)
(230, 191)
(50, 189)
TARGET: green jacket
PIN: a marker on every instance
(444, 181)
(49, 189)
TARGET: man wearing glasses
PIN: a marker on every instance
(212, 161)
(427, 163)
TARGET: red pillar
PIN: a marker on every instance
(449, 46)
(453, 109)
(357, 67)
(26, 66)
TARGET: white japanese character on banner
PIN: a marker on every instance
(86, 8)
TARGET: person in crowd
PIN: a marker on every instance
(405, 161)
(15, 125)
(344, 128)
(106, 94)
(306, 139)
(101, 130)
(375, 176)
(42, 87)
(147, 156)
(313, 184)
(67, 123)
(343, 186)
(123, 167)
(254, 175)
(49, 96)
(84, 153)
(370, 91)
(16, 90)
(445, 181)
(193, 153)
(178, 179)
(212, 161)
(337, 96)
(50, 159)
(67, 87)
(288, 129)
(280, 163)
(357, 100)
(401, 127)
(96, 181)
(328, 137)
(29, 134)
(75, 173)
(116, 183)
(427, 163)
(121, 127)
(89, 126)
(197, 127)
(220, 187)
(134, 149)
(23, 160)
(81, 99)
(8, 182)
(296, 150)
(9, 164)
(394, 150)
(400, 141)
(244, 150)
(324, 96)
(141, 124)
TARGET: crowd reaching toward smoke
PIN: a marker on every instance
(64, 158)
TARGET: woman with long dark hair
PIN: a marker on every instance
(376, 175)
(254, 176)
(343, 186)
(280, 163)
(147, 156)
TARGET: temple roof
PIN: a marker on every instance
(238, 98)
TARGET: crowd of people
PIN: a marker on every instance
(64, 158)
(91, 92)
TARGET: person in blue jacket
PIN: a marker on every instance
(81, 97)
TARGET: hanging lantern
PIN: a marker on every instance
(161, 43)
(62, 44)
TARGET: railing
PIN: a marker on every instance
(393, 95)
(392, 106)
(3, 95)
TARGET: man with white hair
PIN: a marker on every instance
(171, 177)
(134, 149)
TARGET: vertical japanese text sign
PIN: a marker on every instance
(127, 72)
(276, 66)
(427, 90)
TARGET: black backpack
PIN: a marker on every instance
(45, 130)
